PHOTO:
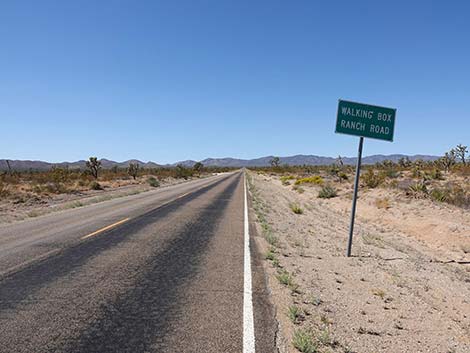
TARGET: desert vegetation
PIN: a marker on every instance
(411, 254)
(35, 188)
(16, 184)
(445, 180)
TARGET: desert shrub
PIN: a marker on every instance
(372, 179)
(298, 188)
(304, 341)
(271, 238)
(58, 178)
(416, 172)
(434, 174)
(294, 313)
(183, 172)
(285, 179)
(327, 192)
(404, 162)
(451, 194)
(285, 278)
(296, 208)
(383, 203)
(417, 190)
(113, 173)
(463, 170)
(153, 182)
(440, 195)
(342, 176)
(4, 191)
(37, 188)
(316, 179)
(459, 197)
(270, 254)
(11, 179)
(52, 188)
(59, 175)
(94, 185)
(390, 173)
(85, 176)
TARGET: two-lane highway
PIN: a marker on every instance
(159, 272)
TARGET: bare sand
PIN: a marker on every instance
(406, 289)
(29, 205)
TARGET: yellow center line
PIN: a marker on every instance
(105, 228)
(126, 219)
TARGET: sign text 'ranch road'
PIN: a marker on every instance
(365, 120)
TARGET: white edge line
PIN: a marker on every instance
(248, 321)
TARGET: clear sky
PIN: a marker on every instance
(174, 80)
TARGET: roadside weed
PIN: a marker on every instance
(382, 203)
(327, 192)
(294, 313)
(296, 208)
(270, 255)
(304, 342)
(285, 278)
(316, 179)
(379, 293)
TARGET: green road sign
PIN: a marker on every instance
(365, 120)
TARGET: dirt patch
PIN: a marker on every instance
(32, 205)
(407, 288)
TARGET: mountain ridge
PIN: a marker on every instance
(299, 159)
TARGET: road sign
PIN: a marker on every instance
(365, 120)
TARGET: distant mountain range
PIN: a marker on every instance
(218, 162)
(302, 160)
(40, 165)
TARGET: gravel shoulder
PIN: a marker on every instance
(406, 289)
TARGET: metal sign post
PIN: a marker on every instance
(363, 120)
(356, 187)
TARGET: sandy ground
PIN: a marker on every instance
(406, 289)
(13, 210)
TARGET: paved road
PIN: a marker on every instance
(157, 272)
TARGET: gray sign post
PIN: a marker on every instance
(363, 120)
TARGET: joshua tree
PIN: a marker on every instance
(340, 161)
(460, 152)
(198, 167)
(275, 161)
(94, 166)
(404, 162)
(182, 171)
(133, 170)
(388, 164)
(9, 167)
(419, 163)
(448, 160)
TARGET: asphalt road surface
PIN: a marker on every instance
(162, 271)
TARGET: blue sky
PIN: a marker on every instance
(175, 80)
